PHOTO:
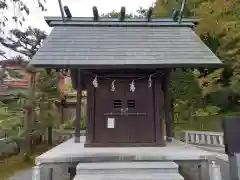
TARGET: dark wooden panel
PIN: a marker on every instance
(137, 114)
(78, 110)
(140, 116)
(90, 121)
(167, 106)
(158, 109)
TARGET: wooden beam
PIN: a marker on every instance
(78, 109)
(73, 74)
(167, 106)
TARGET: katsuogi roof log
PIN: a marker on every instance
(129, 43)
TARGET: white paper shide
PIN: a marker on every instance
(110, 123)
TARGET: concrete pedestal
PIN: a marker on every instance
(69, 154)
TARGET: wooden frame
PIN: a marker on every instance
(167, 106)
(161, 105)
(157, 100)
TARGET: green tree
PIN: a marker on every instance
(47, 94)
(165, 8)
(223, 38)
(186, 94)
(18, 15)
(10, 121)
(140, 13)
(26, 43)
(20, 11)
(186, 88)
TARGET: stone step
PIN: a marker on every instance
(127, 167)
(128, 171)
(136, 176)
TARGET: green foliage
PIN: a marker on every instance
(207, 123)
(46, 95)
(70, 124)
(207, 111)
(25, 42)
(10, 122)
(14, 74)
(186, 94)
(39, 104)
(207, 97)
(140, 13)
(19, 7)
(164, 8)
(224, 39)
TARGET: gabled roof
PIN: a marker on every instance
(128, 44)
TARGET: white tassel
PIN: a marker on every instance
(113, 86)
(150, 81)
(132, 86)
(95, 82)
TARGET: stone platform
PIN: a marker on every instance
(66, 156)
(70, 151)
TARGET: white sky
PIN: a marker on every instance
(78, 8)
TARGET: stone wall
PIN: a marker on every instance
(194, 170)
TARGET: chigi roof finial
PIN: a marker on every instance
(95, 14)
(149, 14)
(122, 13)
(67, 12)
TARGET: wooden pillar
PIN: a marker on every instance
(78, 107)
(168, 106)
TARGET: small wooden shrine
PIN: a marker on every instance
(125, 66)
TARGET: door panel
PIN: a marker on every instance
(140, 112)
(132, 112)
(110, 105)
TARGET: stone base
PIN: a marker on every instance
(124, 145)
(69, 154)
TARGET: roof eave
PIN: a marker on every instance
(50, 19)
(121, 24)
(130, 66)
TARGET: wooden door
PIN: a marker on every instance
(132, 113)
(109, 107)
(140, 112)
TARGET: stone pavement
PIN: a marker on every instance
(27, 175)
(22, 175)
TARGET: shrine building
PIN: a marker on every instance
(125, 67)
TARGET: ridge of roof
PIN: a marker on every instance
(121, 24)
(88, 21)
